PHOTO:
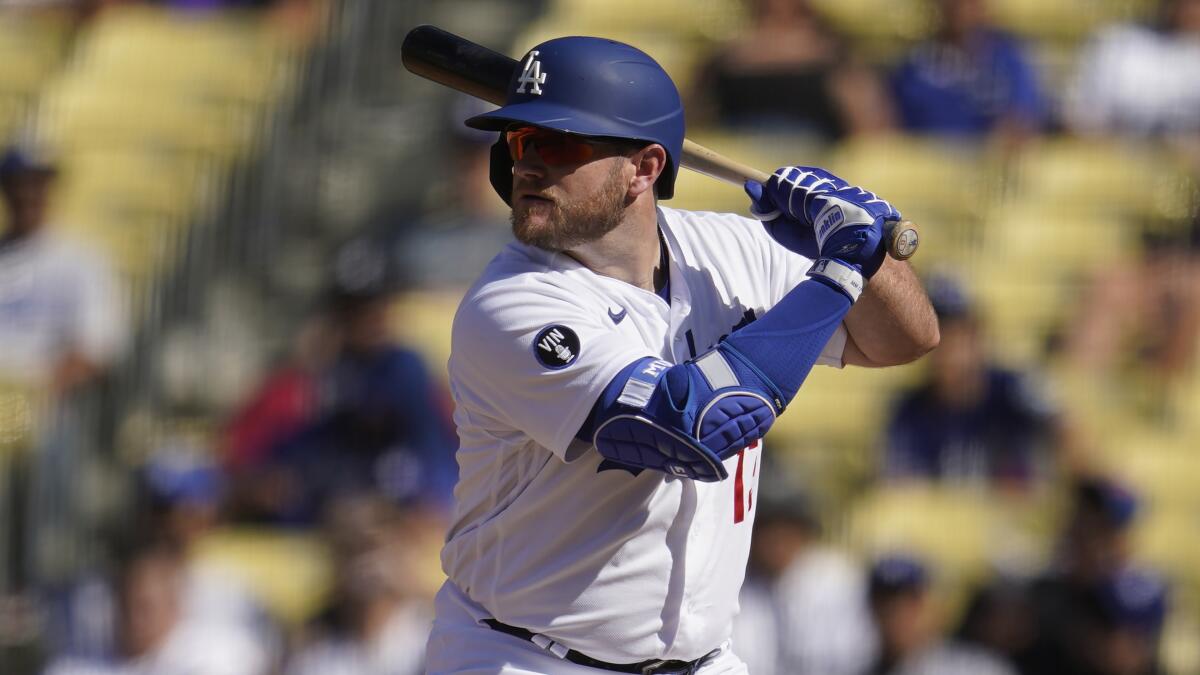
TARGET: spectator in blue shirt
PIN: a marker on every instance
(970, 420)
(970, 79)
(376, 423)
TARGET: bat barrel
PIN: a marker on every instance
(458, 63)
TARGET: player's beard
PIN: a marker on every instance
(572, 224)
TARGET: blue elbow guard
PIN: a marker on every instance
(684, 420)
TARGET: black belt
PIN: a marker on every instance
(650, 667)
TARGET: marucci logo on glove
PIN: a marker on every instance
(556, 346)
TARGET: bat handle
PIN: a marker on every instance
(902, 236)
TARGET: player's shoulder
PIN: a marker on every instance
(522, 283)
(714, 238)
(710, 222)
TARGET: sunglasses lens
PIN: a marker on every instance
(555, 149)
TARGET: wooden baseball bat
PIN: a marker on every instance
(458, 63)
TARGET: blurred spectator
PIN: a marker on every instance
(1122, 637)
(179, 496)
(1158, 296)
(377, 622)
(1141, 80)
(970, 420)
(1094, 548)
(789, 71)
(61, 319)
(969, 79)
(370, 420)
(999, 618)
(908, 625)
(461, 224)
(802, 607)
(152, 636)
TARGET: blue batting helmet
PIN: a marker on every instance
(590, 87)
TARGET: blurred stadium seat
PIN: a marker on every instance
(290, 572)
(965, 533)
(1067, 20)
(847, 406)
(31, 47)
(676, 33)
(765, 152)
(882, 28)
(1102, 176)
(151, 114)
(423, 320)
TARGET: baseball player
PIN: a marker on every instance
(615, 369)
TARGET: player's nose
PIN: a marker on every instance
(530, 165)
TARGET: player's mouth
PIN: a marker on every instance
(533, 198)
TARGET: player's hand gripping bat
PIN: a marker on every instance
(460, 64)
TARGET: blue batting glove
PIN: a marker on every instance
(790, 233)
(846, 222)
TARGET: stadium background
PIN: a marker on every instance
(223, 158)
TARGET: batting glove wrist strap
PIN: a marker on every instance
(840, 275)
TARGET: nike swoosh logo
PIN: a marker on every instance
(617, 317)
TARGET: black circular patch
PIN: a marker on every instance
(556, 346)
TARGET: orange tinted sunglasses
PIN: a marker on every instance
(554, 147)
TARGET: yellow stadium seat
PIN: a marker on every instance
(960, 532)
(849, 406)
(249, 69)
(1170, 542)
(1069, 20)
(291, 573)
(764, 152)
(924, 178)
(1107, 177)
(687, 19)
(1163, 467)
(166, 184)
(79, 112)
(32, 45)
(878, 20)
(423, 319)
(1040, 240)
(20, 406)
(1021, 306)
(680, 57)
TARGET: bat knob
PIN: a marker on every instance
(902, 239)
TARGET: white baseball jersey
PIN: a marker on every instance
(55, 295)
(618, 567)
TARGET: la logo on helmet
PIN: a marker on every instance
(532, 75)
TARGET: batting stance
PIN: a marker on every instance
(615, 369)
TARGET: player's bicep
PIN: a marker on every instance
(538, 375)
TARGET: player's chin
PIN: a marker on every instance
(536, 226)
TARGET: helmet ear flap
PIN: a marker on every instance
(500, 171)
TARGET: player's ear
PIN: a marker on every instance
(648, 163)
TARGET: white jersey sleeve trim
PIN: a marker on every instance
(835, 349)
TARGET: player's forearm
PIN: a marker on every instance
(893, 322)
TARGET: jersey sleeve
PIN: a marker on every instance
(535, 361)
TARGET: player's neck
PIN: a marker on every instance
(630, 252)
